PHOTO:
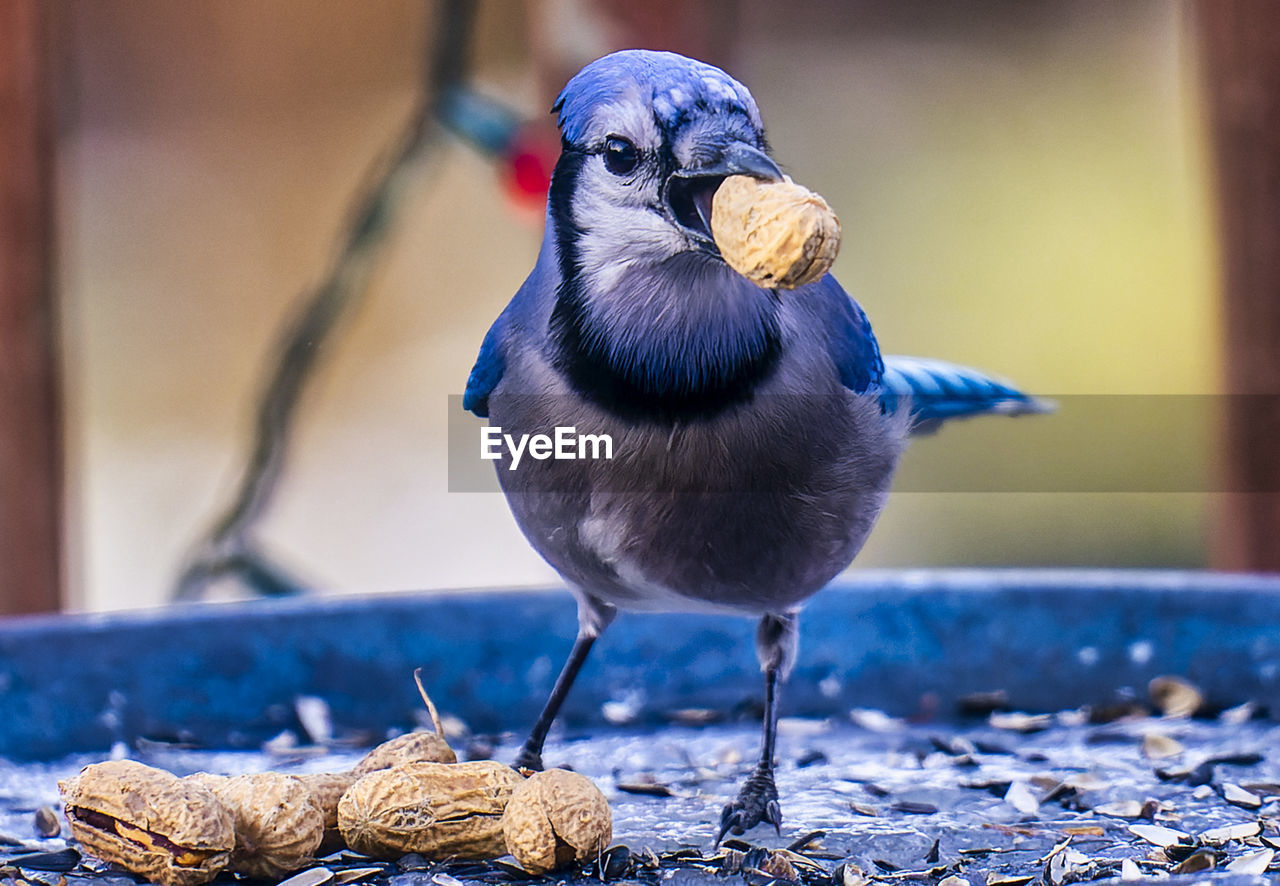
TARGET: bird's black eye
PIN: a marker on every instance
(620, 156)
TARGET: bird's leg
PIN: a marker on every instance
(593, 618)
(758, 799)
(530, 756)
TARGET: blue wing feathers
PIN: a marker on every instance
(852, 344)
(938, 391)
(487, 371)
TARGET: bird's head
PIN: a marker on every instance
(648, 137)
(647, 311)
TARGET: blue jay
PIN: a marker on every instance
(755, 430)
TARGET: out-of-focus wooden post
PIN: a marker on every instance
(30, 447)
(1241, 42)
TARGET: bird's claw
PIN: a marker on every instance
(757, 802)
(528, 759)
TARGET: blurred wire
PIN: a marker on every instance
(228, 549)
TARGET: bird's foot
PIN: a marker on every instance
(528, 759)
(757, 802)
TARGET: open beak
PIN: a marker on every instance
(689, 192)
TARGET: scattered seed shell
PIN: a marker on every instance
(1021, 798)
(556, 818)
(315, 717)
(779, 867)
(613, 864)
(1175, 697)
(1156, 746)
(1085, 830)
(1067, 866)
(1253, 863)
(59, 860)
(310, 877)
(149, 821)
(1016, 721)
(1157, 835)
(776, 234)
(1086, 781)
(1238, 715)
(1120, 809)
(914, 807)
(46, 823)
(1218, 836)
(1203, 860)
(849, 874)
(1238, 796)
(875, 721)
(1048, 783)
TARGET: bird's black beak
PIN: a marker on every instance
(689, 191)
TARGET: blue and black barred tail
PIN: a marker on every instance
(936, 391)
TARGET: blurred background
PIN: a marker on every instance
(1024, 187)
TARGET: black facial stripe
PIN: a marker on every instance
(565, 325)
(564, 180)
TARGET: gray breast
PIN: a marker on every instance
(751, 511)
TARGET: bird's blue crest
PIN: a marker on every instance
(673, 86)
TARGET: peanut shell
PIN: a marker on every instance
(412, 747)
(441, 810)
(776, 234)
(327, 789)
(149, 821)
(556, 818)
(278, 824)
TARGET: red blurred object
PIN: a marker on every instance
(526, 171)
